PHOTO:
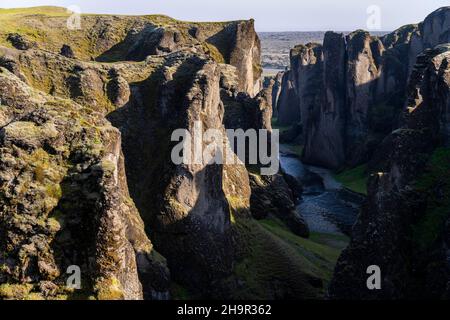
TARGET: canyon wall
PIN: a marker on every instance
(65, 202)
(86, 175)
(355, 90)
(403, 227)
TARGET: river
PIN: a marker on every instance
(325, 204)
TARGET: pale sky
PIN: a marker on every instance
(270, 15)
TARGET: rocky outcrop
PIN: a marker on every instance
(19, 42)
(288, 101)
(363, 62)
(435, 28)
(187, 207)
(99, 187)
(348, 94)
(133, 38)
(324, 133)
(245, 55)
(65, 202)
(403, 227)
(272, 196)
(276, 91)
(67, 51)
(241, 110)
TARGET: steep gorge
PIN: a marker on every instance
(383, 102)
(348, 93)
(403, 227)
(86, 180)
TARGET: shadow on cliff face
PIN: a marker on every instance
(75, 243)
(347, 94)
(222, 41)
(137, 45)
(336, 139)
(403, 227)
(184, 208)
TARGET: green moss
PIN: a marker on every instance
(42, 26)
(34, 296)
(15, 291)
(47, 172)
(276, 125)
(435, 182)
(354, 179)
(212, 51)
(257, 70)
(53, 225)
(108, 166)
(54, 191)
(273, 254)
(109, 289)
(322, 256)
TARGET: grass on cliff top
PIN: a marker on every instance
(61, 11)
(354, 179)
(35, 25)
(275, 255)
(436, 183)
(44, 10)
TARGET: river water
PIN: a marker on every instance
(325, 204)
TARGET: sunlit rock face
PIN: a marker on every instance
(86, 176)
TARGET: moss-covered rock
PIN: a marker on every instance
(62, 197)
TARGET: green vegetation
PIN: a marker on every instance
(45, 26)
(276, 125)
(354, 179)
(15, 291)
(302, 267)
(295, 148)
(323, 256)
(44, 10)
(212, 51)
(435, 182)
(109, 289)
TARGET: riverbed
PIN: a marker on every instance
(325, 204)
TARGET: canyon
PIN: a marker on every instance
(348, 93)
(380, 105)
(86, 119)
(86, 177)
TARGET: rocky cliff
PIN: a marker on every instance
(349, 92)
(86, 176)
(133, 38)
(70, 179)
(64, 201)
(403, 228)
(383, 101)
